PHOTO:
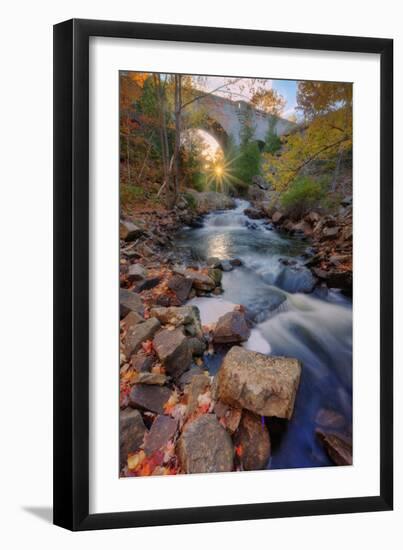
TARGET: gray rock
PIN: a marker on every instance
(128, 231)
(205, 447)
(254, 213)
(163, 300)
(214, 262)
(181, 286)
(188, 376)
(302, 227)
(148, 284)
(260, 182)
(296, 279)
(138, 334)
(330, 232)
(136, 272)
(149, 397)
(131, 433)
(200, 281)
(129, 301)
(197, 346)
(231, 328)
(312, 217)
(163, 429)
(236, 262)
(277, 217)
(173, 351)
(228, 415)
(141, 362)
(253, 437)
(347, 201)
(262, 384)
(132, 318)
(226, 265)
(152, 378)
(186, 316)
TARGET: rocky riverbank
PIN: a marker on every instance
(175, 417)
(329, 236)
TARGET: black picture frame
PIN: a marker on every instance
(71, 274)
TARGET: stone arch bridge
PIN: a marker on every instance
(224, 118)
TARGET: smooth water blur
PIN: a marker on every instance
(316, 329)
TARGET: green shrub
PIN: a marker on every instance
(247, 163)
(273, 144)
(331, 201)
(197, 181)
(302, 195)
(131, 193)
(191, 201)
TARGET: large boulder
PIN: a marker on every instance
(149, 397)
(128, 231)
(187, 316)
(264, 385)
(138, 334)
(129, 301)
(181, 286)
(231, 328)
(173, 351)
(131, 433)
(253, 441)
(205, 447)
(295, 279)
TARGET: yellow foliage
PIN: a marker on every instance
(321, 139)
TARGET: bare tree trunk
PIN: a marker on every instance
(178, 113)
(128, 153)
(163, 138)
(144, 163)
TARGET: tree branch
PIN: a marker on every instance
(315, 155)
(209, 93)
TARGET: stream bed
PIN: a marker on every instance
(289, 317)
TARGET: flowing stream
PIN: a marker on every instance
(289, 319)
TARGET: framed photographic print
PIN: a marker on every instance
(223, 321)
